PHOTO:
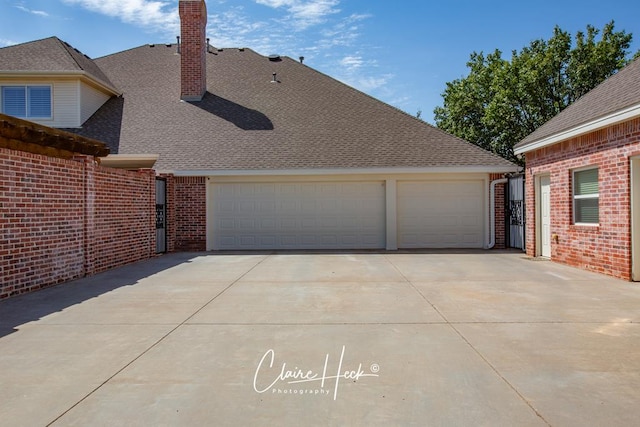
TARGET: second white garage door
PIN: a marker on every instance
(441, 214)
(307, 215)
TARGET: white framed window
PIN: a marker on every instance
(27, 101)
(586, 197)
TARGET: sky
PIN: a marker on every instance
(402, 52)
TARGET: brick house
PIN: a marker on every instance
(583, 180)
(263, 152)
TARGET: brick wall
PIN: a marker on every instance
(499, 212)
(605, 248)
(63, 219)
(124, 218)
(193, 24)
(189, 205)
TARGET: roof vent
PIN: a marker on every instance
(274, 58)
(275, 78)
(208, 39)
(178, 45)
(240, 49)
(152, 45)
(301, 59)
(220, 49)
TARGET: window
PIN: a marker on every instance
(27, 101)
(585, 196)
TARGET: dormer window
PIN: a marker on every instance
(28, 102)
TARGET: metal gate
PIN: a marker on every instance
(515, 212)
(161, 215)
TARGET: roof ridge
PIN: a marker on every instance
(66, 46)
(29, 42)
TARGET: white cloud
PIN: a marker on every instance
(352, 63)
(7, 42)
(33, 12)
(371, 83)
(330, 40)
(154, 15)
(276, 3)
(304, 14)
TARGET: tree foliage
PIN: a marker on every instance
(502, 101)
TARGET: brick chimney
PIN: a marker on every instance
(193, 49)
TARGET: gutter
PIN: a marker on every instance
(492, 211)
(60, 74)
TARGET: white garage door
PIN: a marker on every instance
(441, 214)
(309, 215)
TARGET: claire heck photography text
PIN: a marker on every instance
(276, 377)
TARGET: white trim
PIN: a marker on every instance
(57, 74)
(575, 196)
(27, 99)
(129, 161)
(391, 200)
(538, 211)
(599, 123)
(354, 171)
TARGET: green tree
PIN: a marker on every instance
(502, 101)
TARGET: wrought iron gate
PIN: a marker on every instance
(161, 215)
(515, 210)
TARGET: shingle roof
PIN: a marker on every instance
(618, 92)
(50, 54)
(247, 122)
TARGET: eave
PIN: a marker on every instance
(79, 74)
(599, 123)
(130, 161)
(345, 171)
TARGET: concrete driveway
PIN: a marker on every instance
(425, 339)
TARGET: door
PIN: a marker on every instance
(545, 216)
(441, 214)
(297, 215)
(635, 219)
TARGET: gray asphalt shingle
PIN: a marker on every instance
(305, 120)
(50, 54)
(618, 92)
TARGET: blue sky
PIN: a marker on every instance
(402, 52)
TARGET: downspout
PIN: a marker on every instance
(492, 211)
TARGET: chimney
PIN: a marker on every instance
(193, 49)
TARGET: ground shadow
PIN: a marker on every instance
(21, 309)
(242, 117)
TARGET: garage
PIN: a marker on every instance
(297, 215)
(441, 214)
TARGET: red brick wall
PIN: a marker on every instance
(124, 218)
(63, 219)
(193, 23)
(190, 207)
(41, 221)
(605, 248)
(499, 212)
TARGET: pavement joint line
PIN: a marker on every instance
(474, 349)
(458, 322)
(155, 344)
